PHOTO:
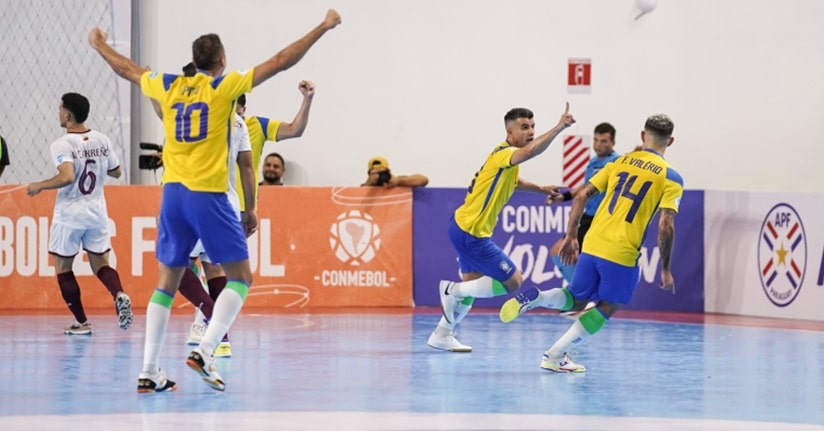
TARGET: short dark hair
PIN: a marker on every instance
(206, 51)
(606, 128)
(516, 113)
(241, 100)
(78, 105)
(660, 125)
(189, 69)
(282, 162)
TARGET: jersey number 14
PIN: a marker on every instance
(624, 189)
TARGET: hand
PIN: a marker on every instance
(569, 250)
(567, 119)
(667, 282)
(307, 88)
(158, 157)
(554, 198)
(33, 189)
(249, 220)
(552, 192)
(332, 19)
(97, 38)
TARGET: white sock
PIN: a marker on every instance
(552, 298)
(226, 309)
(574, 335)
(484, 287)
(157, 319)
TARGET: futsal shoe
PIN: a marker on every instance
(223, 350)
(206, 369)
(156, 382)
(522, 302)
(78, 329)
(196, 332)
(123, 306)
(448, 343)
(563, 364)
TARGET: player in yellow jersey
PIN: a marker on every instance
(637, 185)
(197, 113)
(486, 271)
(262, 129)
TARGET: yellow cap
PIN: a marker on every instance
(377, 162)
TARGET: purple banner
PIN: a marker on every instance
(526, 230)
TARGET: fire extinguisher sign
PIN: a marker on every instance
(579, 75)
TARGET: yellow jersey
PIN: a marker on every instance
(488, 192)
(198, 113)
(261, 130)
(636, 185)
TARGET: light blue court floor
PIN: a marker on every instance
(372, 370)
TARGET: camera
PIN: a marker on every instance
(148, 161)
(384, 177)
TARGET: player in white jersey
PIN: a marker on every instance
(83, 158)
(239, 144)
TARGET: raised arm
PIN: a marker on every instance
(121, 65)
(541, 143)
(289, 56)
(298, 125)
(666, 239)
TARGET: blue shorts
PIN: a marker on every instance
(186, 216)
(599, 279)
(480, 255)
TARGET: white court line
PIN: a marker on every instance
(361, 421)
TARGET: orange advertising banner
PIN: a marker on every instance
(315, 246)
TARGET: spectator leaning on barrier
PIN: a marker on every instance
(379, 175)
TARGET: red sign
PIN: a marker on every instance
(579, 75)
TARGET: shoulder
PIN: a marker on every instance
(674, 176)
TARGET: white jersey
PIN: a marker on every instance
(82, 204)
(240, 143)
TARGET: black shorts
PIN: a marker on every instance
(583, 227)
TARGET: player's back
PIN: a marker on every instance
(198, 114)
(637, 185)
(82, 203)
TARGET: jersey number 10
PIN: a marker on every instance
(183, 121)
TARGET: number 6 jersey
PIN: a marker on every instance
(198, 114)
(636, 185)
(82, 204)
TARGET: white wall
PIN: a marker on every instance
(763, 254)
(425, 83)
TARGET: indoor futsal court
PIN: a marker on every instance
(370, 369)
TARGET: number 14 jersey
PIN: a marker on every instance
(637, 185)
(82, 204)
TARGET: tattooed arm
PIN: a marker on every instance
(666, 238)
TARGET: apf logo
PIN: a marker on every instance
(782, 254)
(355, 238)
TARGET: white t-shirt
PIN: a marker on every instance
(240, 143)
(82, 204)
